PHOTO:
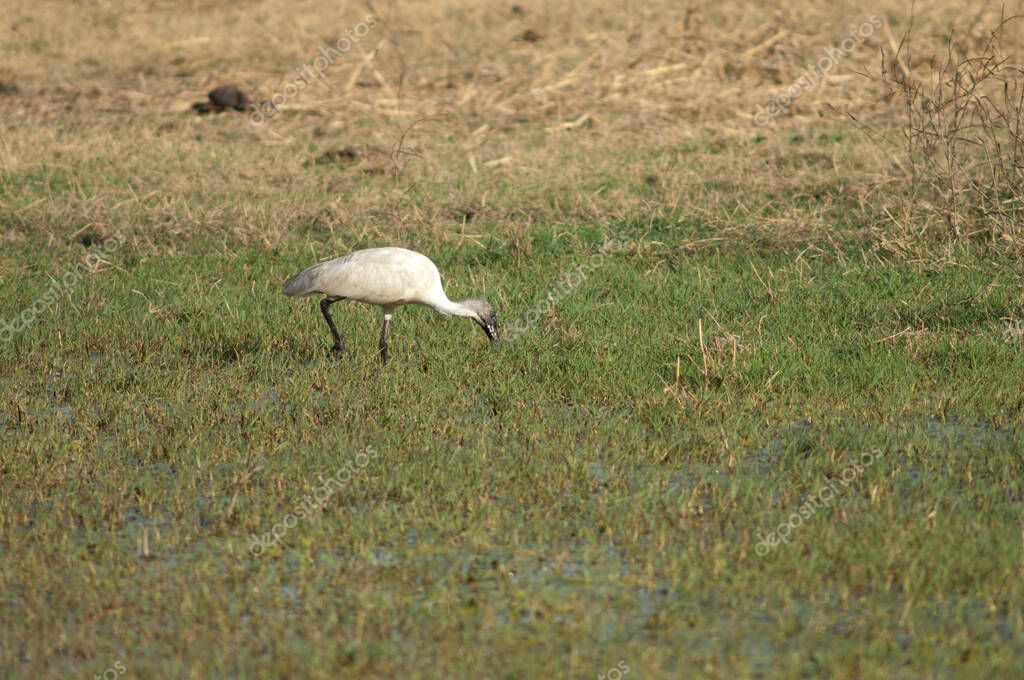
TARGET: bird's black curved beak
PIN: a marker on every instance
(490, 327)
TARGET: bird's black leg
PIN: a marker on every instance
(384, 338)
(337, 348)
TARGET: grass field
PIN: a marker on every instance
(757, 413)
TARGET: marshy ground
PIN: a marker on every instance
(759, 408)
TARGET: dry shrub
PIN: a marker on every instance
(960, 145)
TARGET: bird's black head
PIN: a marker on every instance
(484, 316)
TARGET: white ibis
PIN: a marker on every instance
(387, 277)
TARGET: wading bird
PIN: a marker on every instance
(387, 277)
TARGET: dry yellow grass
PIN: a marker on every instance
(615, 112)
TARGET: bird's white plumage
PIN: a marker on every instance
(387, 277)
(378, 276)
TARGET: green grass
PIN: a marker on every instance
(559, 502)
(791, 342)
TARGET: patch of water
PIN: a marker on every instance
(964, 436)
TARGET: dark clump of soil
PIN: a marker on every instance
(8, 89)
(464, 213)
(530, 36)
(205, 107)
(517, 10)
(87, 240)
(223, 98)
(370, 160)
(346, 155)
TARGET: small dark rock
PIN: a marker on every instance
(229, 97)
(223, 98)
(530, 36)
(517, 10)
(8, 89)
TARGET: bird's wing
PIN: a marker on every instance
(380, 276)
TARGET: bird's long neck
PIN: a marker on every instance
(442, 305)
